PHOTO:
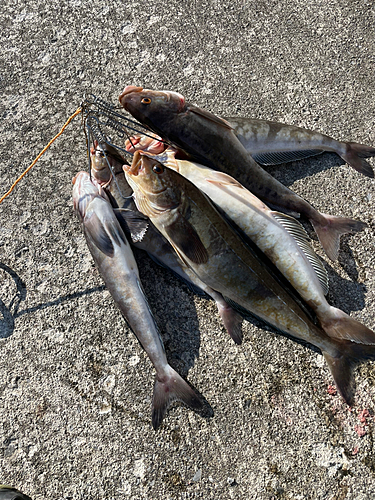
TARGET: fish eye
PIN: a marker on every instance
(158, 169)
(146, 100)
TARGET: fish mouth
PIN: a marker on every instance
(128, 90)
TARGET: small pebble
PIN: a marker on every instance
(197, 475)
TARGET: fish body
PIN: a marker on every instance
(213, 250)
(272, 143)
(146, 237)
(281, 238)
(210, 140)
(116, 264)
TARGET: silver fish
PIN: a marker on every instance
(146, 237)
(215, 253)
(281, 238)
(116, 264)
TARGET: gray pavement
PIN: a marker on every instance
(75, 386)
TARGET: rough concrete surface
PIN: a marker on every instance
(75, 386)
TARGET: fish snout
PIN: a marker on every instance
(129, 89)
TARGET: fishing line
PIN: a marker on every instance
(77, 112)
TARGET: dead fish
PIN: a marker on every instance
(146, 237)
(116, 264)
(144, 142)
(9, 493)
(281, 238)
(272, 143)
(210, 140)
(204, 240)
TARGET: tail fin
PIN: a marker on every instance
(232, 321)
(354, 156)
(342, 327)
(330, 231)
(170, 388)
(343, 365)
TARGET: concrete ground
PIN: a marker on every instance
(75, 386)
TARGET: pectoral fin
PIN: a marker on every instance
(221, 179)
(105, 232)
(136, 223)
(95, 230)
(186, 241)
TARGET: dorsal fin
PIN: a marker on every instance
(210, 116)
(297, 231)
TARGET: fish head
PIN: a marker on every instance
(152, 107)
(99, 166)
(155, 189)
(84, 190)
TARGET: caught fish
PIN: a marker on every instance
(205, 241)
(281, 238)
(146, 237)
(272, 143)
(116, 264)
(210, 140)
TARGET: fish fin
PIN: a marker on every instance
(297, 231)
(170, 388)
(330, 232)
(232, 321)
(222, 179)
(341, 326)
(95, 229)
(342, 366)
(136, 223)
(278, 157)
(185, 239)
(354, 157)
(210, 116)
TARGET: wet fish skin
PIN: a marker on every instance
(202, 135)
(116, 264)
(267, 229)
(215, 253)
(272, 143)
(149, 239)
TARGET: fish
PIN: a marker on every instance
(146, 237)
(213, 250)
(272, 143)
(9, 493)
(115, 261)
(210, 140)
(281, 238)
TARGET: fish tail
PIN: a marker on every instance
(343, 364)
(341, 326)
(354, 157)
(329, 228)
(232, 321)
(171, 387)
